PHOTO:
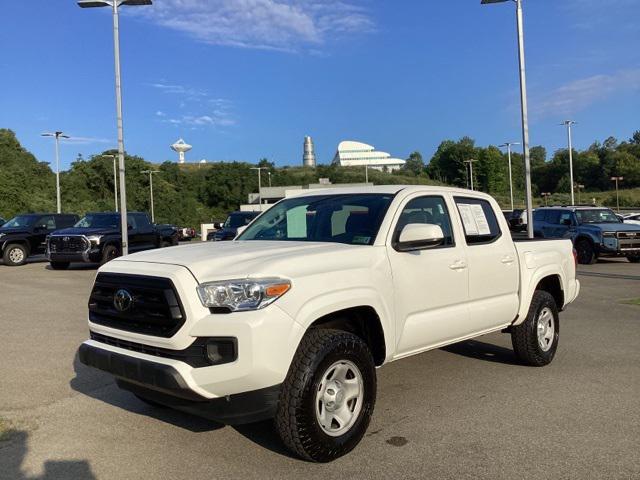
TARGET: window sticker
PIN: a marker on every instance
(481, 220)
(468, 221)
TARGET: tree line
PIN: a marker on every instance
(193, 193)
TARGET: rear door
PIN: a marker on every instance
(43, 227)
(147, 233)
(493, 265)
(430, 286)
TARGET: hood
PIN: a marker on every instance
(18, 230)
(86, 231)
(209, 261)
(612, 227)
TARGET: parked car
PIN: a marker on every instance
(518, 220)
(291, 319)
(229, 229)
(169, 234)
(186, 234)
(633, 218)
(2, 221)
(97, 238)
(25, 235)
(595, 231)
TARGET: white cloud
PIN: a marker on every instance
(580, 94)
(160, 113)
(284, 25)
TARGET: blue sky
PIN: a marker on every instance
(243, 79)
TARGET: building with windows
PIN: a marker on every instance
(357, 154)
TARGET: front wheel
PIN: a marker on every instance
(535, 341)
(586, 252)
(109, 253)
(328, 396)
(15, 255)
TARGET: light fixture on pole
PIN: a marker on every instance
(471, 162)
(115, 4)
(546, 196)
(259, 169)
(579, 187)
(115, 178)
(151, 172)
(269, 173)
(57, 136)
(569, 124)
(524, 112)
(617, 180)
(509, 145)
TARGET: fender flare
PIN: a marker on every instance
(529, 289)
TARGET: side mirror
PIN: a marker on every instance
(240, 230)
(419, 236)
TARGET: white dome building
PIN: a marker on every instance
(357, 154)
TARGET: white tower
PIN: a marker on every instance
(181, 147)
(309, 154)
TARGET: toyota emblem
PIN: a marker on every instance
(122, 300)
(65, 239)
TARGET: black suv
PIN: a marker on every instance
(97, 239)
(25, 235)
(229, 228)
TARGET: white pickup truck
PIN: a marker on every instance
(292, 318)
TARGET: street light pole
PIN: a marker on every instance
(57, 136)
(470, 162)
(115, 179)
(115, 4)
(617, 179)
(579, 187)
(524, 112)
(546, 196)
(259, 169)
(269, 173)
(151, 172)
(508, 145)
(568, 124)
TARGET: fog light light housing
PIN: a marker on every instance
(221, 350)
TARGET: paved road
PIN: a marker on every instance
(468, 411)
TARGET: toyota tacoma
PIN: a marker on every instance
(291, 319)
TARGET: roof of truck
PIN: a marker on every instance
(387, 189)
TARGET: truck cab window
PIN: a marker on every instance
(426, 210)
(479, 221)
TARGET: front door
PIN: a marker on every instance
(431, 285)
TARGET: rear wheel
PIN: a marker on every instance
(109, 253)
(535, 341)
(634, 258)
(586, 252)
(15, 255)
(59, 265)
(328, 396)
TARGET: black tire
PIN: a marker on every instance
(634, 258)
(59, 265)
(15, 255)
(296, 421)
(586, 252)
(109, 253)
(164, 244)
(524, 337)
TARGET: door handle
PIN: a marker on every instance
(507, 259)
(458, 265)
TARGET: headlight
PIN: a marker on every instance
(242, 295)
(609, 234)
(2, 235)
(94, 239)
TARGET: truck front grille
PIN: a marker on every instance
(136, 303)
(629, 235)
(67, 244)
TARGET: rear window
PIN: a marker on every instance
(479, 220)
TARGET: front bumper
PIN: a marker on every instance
(164, 384)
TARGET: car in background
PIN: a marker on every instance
(186, 234)
(2, 221)
(96, 238)
(169, 234)
(595, 231)
(25, 235)
(229, 229)
(633, 218)
(517, 220)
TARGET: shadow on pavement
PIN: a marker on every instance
(14, 451)
(483, 351)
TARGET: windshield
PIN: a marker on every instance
(352, 219)
(20, 221)
(99, 221)
(236, 220)
(600, 215)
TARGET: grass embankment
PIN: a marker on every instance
(629, 199)
(633, 301)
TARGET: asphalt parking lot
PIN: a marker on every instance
(467, 411)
